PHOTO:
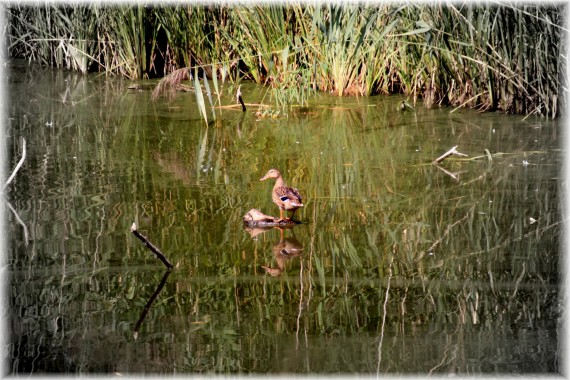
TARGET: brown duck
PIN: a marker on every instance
(286, 198)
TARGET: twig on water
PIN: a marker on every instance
(240, 100)
(151, 246)
(452, 152)
(20, 163)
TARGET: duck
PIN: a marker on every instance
(286, 198)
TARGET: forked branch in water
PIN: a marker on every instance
(452, 152)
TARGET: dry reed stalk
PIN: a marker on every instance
(169, 84)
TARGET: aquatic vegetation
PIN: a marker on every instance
(401, 265)
(488, 56)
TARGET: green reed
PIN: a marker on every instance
(491, 57)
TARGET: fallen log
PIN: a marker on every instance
(255, 218)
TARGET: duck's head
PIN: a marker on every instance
(272, 173)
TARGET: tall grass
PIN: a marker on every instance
(503, 57)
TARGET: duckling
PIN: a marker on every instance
(286, 198)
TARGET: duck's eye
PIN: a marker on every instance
(284, 198)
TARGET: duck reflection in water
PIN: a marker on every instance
(285, 249)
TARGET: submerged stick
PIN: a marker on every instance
(240, 100)
(452, 152)
(151, 246)
(20, 163)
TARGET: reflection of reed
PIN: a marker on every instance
(150, 302)
(173, 164)
(383, 325)
(462, 253)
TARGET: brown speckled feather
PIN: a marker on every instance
(286, 198)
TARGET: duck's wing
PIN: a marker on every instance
(290, 196)
(295, 192)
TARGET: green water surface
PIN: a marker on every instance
(402, 266)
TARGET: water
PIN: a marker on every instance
(404, 267)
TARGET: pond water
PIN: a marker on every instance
(398, 266)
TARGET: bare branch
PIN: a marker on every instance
(151, 246)
(452, 152)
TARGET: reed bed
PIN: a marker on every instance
(490, 56)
